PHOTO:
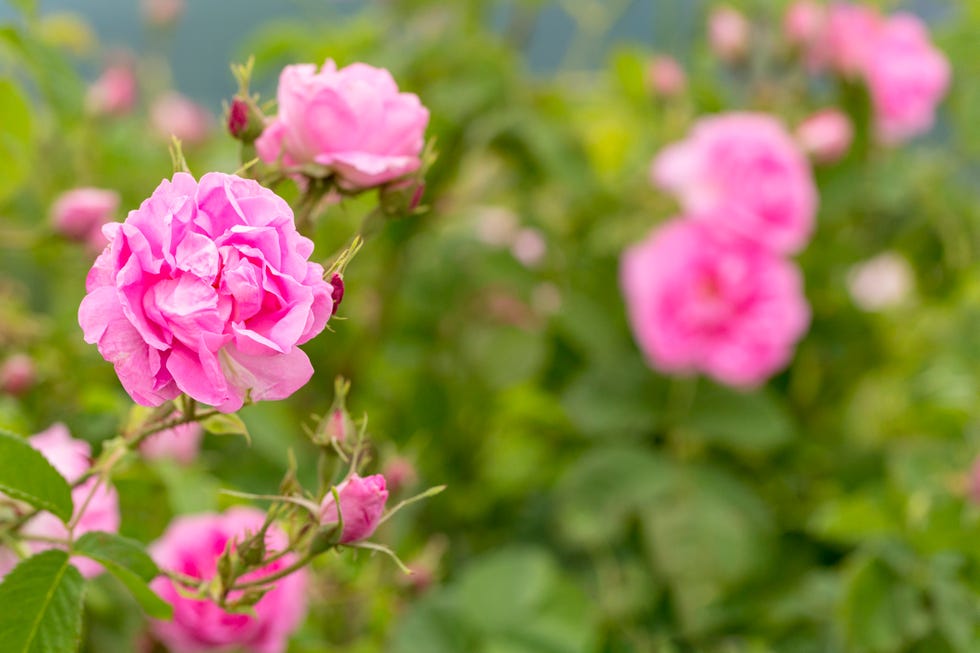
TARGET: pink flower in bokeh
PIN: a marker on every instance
(666, 77)
(180, 444)
(907, 77)
(353, 121)
(114, 92)
(79, 214)
(71, 458)
(399, 473)
(192, 545)
(529, 247)
(804, 22)
(17, 374)
(849, 38)
(175, 115)
(700, 300)
(362, 504)
(882, 282)
(207, 289)
(162, 12)
(826, 135)
(728, 33)
(743, 172)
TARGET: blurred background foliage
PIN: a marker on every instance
(593, 505)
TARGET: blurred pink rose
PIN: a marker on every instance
(728, 33)
(192, 545)
(666, 77)
(529, 247)
(826, 136)
(849, 38)
(113, 93)
(17, 374)
(180, 444)
(175, 115)
(804, 22)
(700, 300)
(71, 458)
(881, 282)
(162, 12)
(907, 77)
(362, 504)
(399, 473)
(207, 289)
(743, 172)
(352, 121)
(79, 214)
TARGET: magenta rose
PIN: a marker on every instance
(907, 78)
(702, 300)
(207, 289)
(362, 504)
(743, 172)
(71, 458)
(191, 546)
(353, 122)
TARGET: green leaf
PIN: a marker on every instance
(226, 424)
(128, 561)
(879, 612)
(751, 423)
(28, 476)
(15, 137)
(42, 606)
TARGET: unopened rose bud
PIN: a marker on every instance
(337, 292)
(401, 198)
(114, 93)
(175, 115)
(362, 504)
(804, 22)
(399, 473)
(252, 550)
(826, 136)
(162, 12)
(245, 121)
(666, 77)
(728, 33)
(79, 214)
(17, 374)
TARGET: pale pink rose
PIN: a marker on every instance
(71, 458)
(804, 22)
(191, 546)
(701, 300)
(17, 374)
(162, 12)
(362, 504)
(114, 92)
(79, 214)
(207, 289)
(826, 136)
(529, 247)
(352, 121)
(399, 473)
(666, 77)
(907, 77)
(496, 226)
(180, 444)
(849, 38)
(881, 282)
(728, 33)
(745, 173)
(175, 115)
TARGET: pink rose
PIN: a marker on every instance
(17, 374)
(728, 33)
(804, 22)
(882, 282)
(354, 122)
(743, 172)
(206, 289)
(162, 12)
(192, 545)
(399, 473)
(826, 136)
(79, 214)
(175, 115)
(907, 77)
(666, 77)
(700, 300)
(114, 92)
(849, 38)
(180, 444)
(362, 503)
(71, 458)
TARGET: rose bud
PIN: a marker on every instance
(114, 93)
(79, 214)
(728, 33)
(175, 115)
(826, 136)
(804, 23)
(362, 504)
(666, 77)
(17, 374)
(400, 473)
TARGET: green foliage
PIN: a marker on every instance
(128, 561)
(15, 138)
(27, 475)
(42, 606)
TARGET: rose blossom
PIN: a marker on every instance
(848, 40)
(192, 545)
(701, 300)
(881, 282)
(907, 77)
(362, 503)
(728, 33)
(79, 214)
(17, 374)
(352, 121)
(666, 77)
(743, 172)
(162, 12)
(206, 289)
(804, 22)
(175, 115)
(826, 135)
(180, 444)
(114, 92)
(71, 458)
